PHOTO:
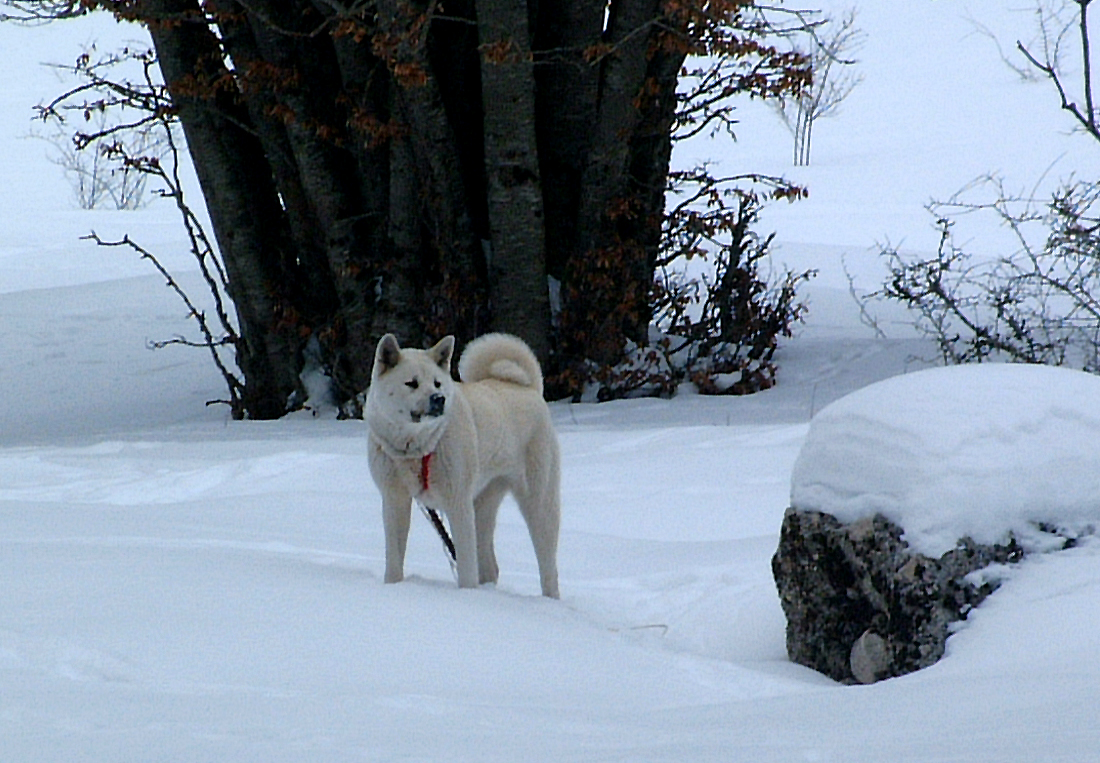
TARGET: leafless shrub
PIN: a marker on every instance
(114, 113)
(129, 124)
(830, 45)
(1037, 304)
(96, 173)
(719, 313)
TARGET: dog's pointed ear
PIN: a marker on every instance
(387, 354)
(443, 351)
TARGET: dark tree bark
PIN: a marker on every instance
(517, 258)
(622, 74)
(455, 303)
(241, 199)
(649, 162)
(307, 98)
(566, 81)
(313, 284)
(622, 185)
(428, 167)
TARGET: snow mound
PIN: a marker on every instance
(965, 451)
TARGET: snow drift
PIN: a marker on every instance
(967, 451)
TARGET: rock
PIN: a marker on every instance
(861, 606)
(870, 658)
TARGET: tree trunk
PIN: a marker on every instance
(604, 303)
(401, 285)
(622, 74)
(517, 260)
(314, 292)
(456, 305)
(650, 157)
(426, 167)
(316, 131)
(240, 197)
(567, 85)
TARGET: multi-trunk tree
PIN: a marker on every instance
(426, 167)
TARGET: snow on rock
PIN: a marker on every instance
(910, 495)
(973, 452)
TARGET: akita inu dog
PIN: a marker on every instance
(460, 446)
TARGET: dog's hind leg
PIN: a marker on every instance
(543, 520)
(540, 505)
(486, 507)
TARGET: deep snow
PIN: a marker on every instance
(174, 586)
(976, 451)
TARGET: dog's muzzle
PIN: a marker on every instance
(436, 403)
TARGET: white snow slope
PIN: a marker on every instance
(177, 587)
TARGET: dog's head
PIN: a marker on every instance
(409, 392)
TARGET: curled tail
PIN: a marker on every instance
(500, 356)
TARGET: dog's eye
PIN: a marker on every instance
(414, 384)
(438, 384)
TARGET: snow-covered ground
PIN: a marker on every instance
(178, 587)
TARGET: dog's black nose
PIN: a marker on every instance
(436, 404)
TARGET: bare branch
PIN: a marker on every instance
(35, 12)
(830, 41)
(210, 342)
(1035, 305)
(1049, 65)
(1086, 61)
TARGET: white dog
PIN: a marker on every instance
(459, 446)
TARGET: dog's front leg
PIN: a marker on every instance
(465, 540)
(396, 516)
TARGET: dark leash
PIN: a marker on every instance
(433, 515)
(437, 523)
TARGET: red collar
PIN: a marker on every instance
(425, 472)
